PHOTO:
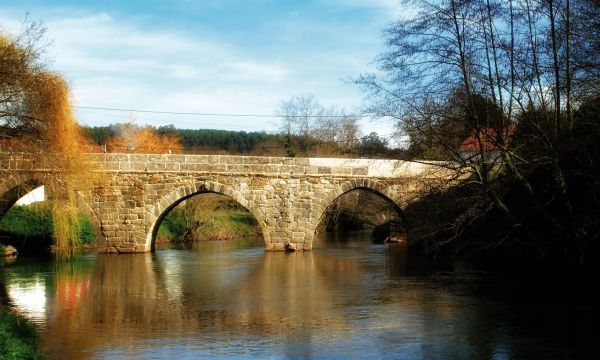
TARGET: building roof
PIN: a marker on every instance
(488, 140)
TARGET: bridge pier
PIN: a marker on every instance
(397, 233)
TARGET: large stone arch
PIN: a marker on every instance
(371, 185)
(167, 202)
(17, 185)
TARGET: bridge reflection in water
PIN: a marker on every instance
(349, 297)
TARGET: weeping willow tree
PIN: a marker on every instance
(36, 120)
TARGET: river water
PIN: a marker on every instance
(349, 298)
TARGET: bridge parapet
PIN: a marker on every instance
(257, 165)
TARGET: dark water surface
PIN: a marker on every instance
(348, 298)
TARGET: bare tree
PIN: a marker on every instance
(490, 85)
(298, 114)
(306, 123)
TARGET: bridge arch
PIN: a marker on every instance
(175, 197)
(370, 185)
(18, 185)
(15, 187)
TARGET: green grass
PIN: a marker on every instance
(18, 337)
(223, 224)
(28, 221)
(35, 221)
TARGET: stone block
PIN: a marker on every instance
(116, 157)
(173, 166)
(301, 161)
(138, 157)
(201, 159)
(272, 169)
(252, 160)
(228, 159)
(239, 168)
(218, 168)
(177, 158)
(324, 170)
(342, 171)
(156, 166)
(158, 158)
(193, 167)
(311, 170)
(360, 171)
(132, 166)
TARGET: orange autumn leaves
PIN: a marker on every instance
(131, 138)
(36, 118)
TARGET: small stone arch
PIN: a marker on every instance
(169, 201)
(18, 185)
(15, 187)
(357, 184)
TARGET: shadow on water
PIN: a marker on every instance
(349, 298)
(399, 259)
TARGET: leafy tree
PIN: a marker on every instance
(373, 145)
(36, 118)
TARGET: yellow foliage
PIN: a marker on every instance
(40, 122)
(135, 139)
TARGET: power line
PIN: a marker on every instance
(116, 117)
(218, 114)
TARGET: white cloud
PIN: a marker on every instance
(245, 70)
(120, 62)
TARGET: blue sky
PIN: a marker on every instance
(227, 56)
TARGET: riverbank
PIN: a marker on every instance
(18, 337)
(458, 224)
(30, 229)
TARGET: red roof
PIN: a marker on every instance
(487, 137)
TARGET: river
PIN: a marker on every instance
(348, 298)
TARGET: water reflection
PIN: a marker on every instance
(29, 297)
(349, 298)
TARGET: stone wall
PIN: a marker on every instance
(287, 196)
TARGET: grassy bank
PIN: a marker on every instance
(207, 217)
(34, 222)
(18, 338)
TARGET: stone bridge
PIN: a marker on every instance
(287, 196)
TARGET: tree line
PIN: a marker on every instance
(336, 136)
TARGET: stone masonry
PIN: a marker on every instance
(287, 196)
